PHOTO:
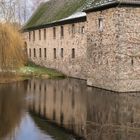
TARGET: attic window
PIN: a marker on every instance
(39, 34)
(100, 22)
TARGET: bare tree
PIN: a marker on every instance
(7, 10)
(14, 10)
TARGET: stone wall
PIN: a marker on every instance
(74, 38)
(113, 53)
(106, 47)
(102, 44)
(128, 52)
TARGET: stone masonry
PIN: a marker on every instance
(106, 48)
(113, 54)
(75, 67)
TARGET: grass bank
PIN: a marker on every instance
(33, 70)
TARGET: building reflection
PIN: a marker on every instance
(92, 113)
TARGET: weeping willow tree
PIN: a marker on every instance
(12, 53)
(12, 49)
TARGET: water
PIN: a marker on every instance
(40, 109)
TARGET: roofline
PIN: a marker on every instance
(111, 5)
(57, 23)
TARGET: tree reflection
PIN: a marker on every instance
(11, 108)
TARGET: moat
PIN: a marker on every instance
(66, 109)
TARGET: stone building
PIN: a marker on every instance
(95, 40)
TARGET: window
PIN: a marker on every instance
(34, 52)
(54, 51)
(54, 32)
(62, 31)
(39, 34)
(73, 29)
(29, 52)
(45, 52)
(132, 61)
(44, 34)
(83, 30)
(40, 52)
(62, 52)
(73, 53)
(100, 24)
(33, 35)
(29, 36)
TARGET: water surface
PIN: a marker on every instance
(90, 113)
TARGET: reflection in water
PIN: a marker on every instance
(11, 104)
(88, 112)
(91, 113)
(15, 121)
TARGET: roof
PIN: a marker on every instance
(55, 11)
(101, 4)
